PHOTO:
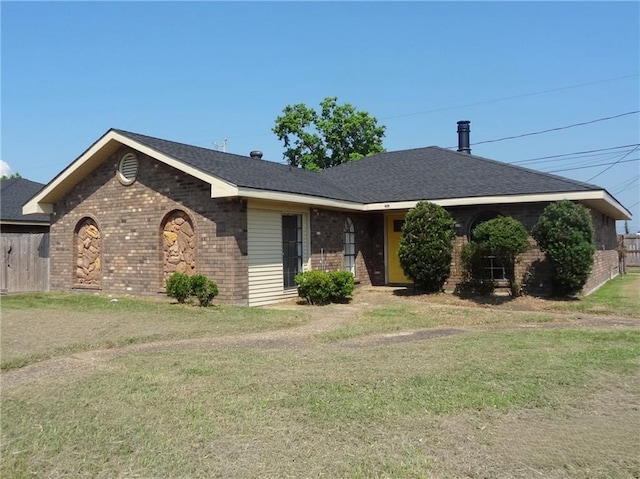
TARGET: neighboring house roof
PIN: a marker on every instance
(14, 193)
(386, 181)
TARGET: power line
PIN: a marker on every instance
(609, 167)
(556, 129)
(593, 166)
(625, 185)
(509, 97)
(534, 160)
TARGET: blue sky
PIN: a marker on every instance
(200, 72)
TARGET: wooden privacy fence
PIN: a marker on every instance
(25, 262)
(632, 244)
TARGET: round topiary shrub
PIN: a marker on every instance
(565, 234)
(426, 246)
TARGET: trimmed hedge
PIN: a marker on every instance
(182, 286)
(318, 287)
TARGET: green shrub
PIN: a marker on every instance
(504, 238)
(179, 287)
(426, 246)
(315, 287)
(565, 234)
(343, 284)
(204, 289)
(472, 261)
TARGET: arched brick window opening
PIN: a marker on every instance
(88, 240)
(349, 259)
(178, 244)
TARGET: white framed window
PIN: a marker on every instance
(128, 169)
(349, 262)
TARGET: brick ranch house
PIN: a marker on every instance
(132, 209)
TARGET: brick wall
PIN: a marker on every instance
(605, 267)
(130, 220)
(533, 270)
(327, 243)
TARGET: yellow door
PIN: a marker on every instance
(394, 233)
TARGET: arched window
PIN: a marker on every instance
(349, 247)
(492, 269)
(178, 244)
(88, 242)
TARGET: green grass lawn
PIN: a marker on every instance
(38, 326)
(511, 394)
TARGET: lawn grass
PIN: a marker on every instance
(619, 296)
(398, 317)
(502, 402)
(326, 411)
(39, 326)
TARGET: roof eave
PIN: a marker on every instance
(598, 199)
(44, 201)
(299, 199)
(25, 223)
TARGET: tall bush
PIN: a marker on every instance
(565, 234)
(506, 239)
(426, 246)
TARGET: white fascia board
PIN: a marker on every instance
(24, 223)
(33, 207)
(39, 204)
(597, 197)
(168, 160)
(301, 199)
(43, 202)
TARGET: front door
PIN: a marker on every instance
(394, 233)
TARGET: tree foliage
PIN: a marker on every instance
(337, 134)
(565, 234)
(5, 177)
(505, 238)
(426, 246)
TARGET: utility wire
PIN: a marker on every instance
(535, 160)
(509, 97)
(611, 166)
(593, 166)
(555, 129)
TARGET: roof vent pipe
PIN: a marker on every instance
(463, 137)
(257, 154)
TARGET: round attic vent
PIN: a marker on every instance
(128, 169)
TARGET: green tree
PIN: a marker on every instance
(505, 238)
(337, 134)
(5, 177)
(426, 246)
(565, 234)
